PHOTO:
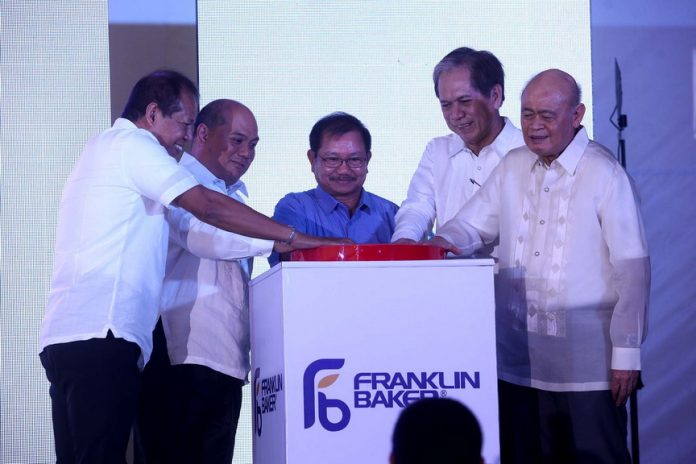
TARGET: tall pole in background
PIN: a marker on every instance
(621, 119)
(620, 124)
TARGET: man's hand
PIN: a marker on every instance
(281, 247)
(404, 241)
(302, 241)
(442, 243)
(622, 384)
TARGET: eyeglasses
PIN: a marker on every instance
(334, 162)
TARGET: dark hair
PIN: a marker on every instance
(486, 70)
(212, 114)
(576, 97)
(437, 430)
(338, 123)
(163, 87)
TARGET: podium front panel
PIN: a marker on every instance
(338, 349)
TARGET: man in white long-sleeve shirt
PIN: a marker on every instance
(571, 295)
(110, 252)
(189, 410)
(470, 86)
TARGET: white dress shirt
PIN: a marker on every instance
(442, 182)
(111, 240)
(205, 311)
(574, 276)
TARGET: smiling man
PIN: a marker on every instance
(339, 154)
(573, 285)
(470, 87)
(110, 250)
(192, 388)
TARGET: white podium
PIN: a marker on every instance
(338, 349)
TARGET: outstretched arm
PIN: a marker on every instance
(225, 213)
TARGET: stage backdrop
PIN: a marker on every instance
(294, 62)
(55, 95)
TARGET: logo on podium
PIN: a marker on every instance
(266, 396)
(372, 390)
(317, 403)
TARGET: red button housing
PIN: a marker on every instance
(370, 252)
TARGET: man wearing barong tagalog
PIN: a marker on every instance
(573, 285)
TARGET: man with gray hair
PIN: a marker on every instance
(470, 87)
(573, 285)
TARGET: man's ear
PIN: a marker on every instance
(202, 132)
(497, 96)
(311, 156)
(577, 117)
(151, 111)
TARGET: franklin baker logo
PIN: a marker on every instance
(268, 389)
(323, 404)
(375, 389)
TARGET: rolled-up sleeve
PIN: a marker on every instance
(152, 172)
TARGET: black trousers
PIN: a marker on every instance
(538, 426)
(154, 427)
(94, 396)
(188, 413)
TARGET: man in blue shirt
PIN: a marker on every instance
(339, 206)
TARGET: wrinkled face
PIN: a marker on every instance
(340, 181)
(549, 119)
(174, 132)
(233, 144)
(468, 113)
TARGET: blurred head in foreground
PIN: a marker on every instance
(436, 431)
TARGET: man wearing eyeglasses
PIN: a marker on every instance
(339, 154)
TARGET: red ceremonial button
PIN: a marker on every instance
(369, 252)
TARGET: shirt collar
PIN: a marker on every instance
(123, 123)
(507, 139)
(503, 143)
(238, 187)
(456, 147)
(328, 203)
(570, 157)
(205, 177)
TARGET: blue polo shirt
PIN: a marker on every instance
(315, 212)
